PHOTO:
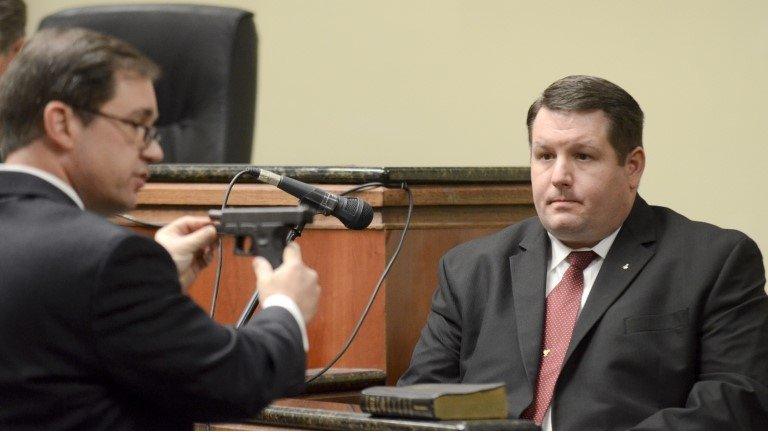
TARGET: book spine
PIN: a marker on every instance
(398, 407)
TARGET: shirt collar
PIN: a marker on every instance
(50, 178)
(559, 251)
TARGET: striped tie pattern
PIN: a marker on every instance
(563, 305)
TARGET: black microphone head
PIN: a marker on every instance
(354, 213)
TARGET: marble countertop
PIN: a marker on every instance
(223, 173)
(327, 417)
(344, 379)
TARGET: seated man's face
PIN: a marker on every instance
(111, 159)
(580, 191)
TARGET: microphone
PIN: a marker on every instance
(353, 212)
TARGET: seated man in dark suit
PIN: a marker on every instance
(602, 312)
(95, 330)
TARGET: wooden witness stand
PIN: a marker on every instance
(452, 205)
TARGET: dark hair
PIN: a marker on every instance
(73, 65)
(13, 19)
(587, 93)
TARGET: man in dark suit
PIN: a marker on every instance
(602, 312)
(95, 330)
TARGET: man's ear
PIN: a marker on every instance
(61, 125)
(634, 166)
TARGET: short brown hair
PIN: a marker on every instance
(587, 93)
(13, 19)
(73, 65)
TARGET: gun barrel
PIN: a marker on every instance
(263, 215)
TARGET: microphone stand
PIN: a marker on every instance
(295, 233)
(261, 231)
(253, 303)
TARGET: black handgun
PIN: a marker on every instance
(261, 231)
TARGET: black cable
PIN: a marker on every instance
(361, 187)
(143, 223)
(291, 236)
(367, 309)
(376, 290)
(217, 279)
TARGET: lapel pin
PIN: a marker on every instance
(625, 266)
(546, 351)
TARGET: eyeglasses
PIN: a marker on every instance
(148, 135)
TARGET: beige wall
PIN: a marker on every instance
(447, 82)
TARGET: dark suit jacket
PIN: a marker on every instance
(677, 340)
(96, 334)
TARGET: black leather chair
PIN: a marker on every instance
(207, 91)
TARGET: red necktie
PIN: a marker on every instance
(563, 305)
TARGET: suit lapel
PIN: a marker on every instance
(630, 252)
(528, 275)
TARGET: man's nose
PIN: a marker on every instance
(153, 153)
(562, 173)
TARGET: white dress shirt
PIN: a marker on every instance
(279, 300)
(283, 301)
(555, 271)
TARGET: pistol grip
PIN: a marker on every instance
(268, 244)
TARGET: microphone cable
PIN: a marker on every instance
(137, 221)
(220, 248)
(374, 293)
(376, 290)
(217, 278)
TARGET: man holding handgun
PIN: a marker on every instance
(95, 328)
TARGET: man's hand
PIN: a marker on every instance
(292, 278)
(190, 241)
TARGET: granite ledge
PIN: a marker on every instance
(223, 173)
(344, 379)
(337, 420)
